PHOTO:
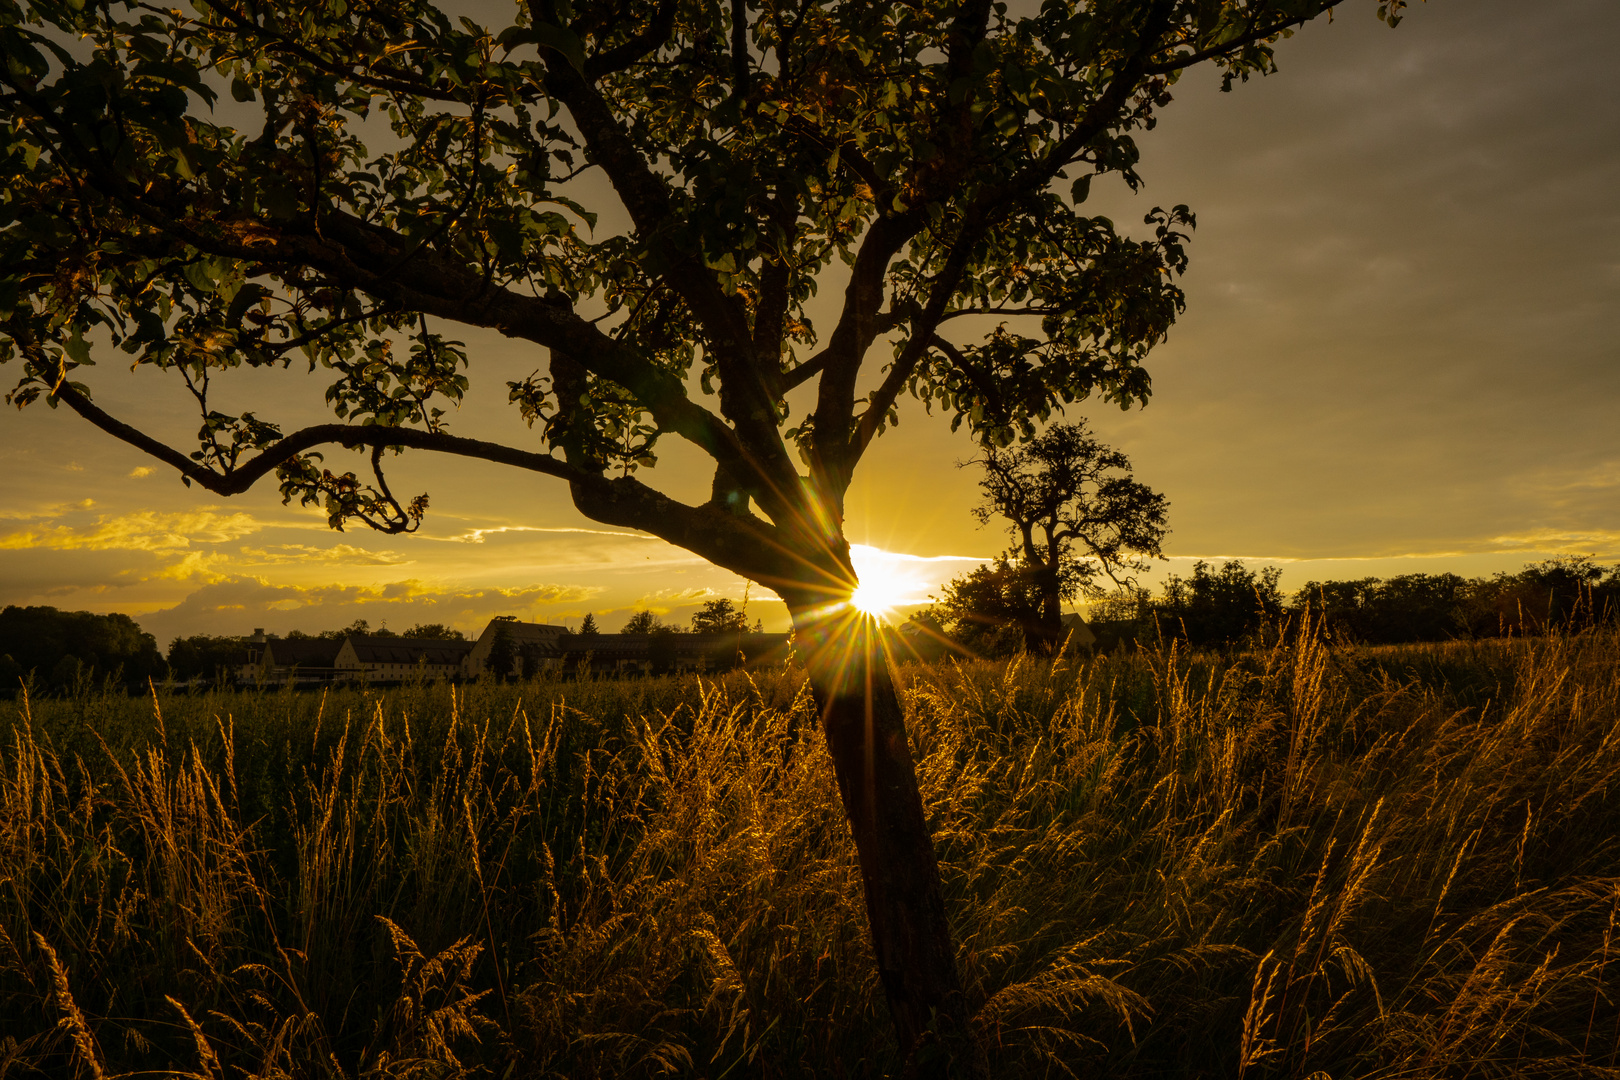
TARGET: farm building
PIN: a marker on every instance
(392, 659)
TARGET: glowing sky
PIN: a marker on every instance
(1400, 353)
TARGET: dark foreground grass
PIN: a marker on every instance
(1313, 861)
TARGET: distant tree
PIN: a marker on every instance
(201, 656)
(358, 628)
(1076, 515)
(503, 656)
(1565, 592)
(64, 646)
(643, 622)
(529, 659)
(720, 617)
(587, 626)
(1410, 607)
(433, 632)
(993, 609)
(1122, 617)
(11, 675)
(1220, 607)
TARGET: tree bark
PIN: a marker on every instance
(1049, 631)
(911, 938)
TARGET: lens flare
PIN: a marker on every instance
(869, 599)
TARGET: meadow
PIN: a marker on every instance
(1312, 860)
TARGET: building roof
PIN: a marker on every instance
(721, 646)
(399, 650)
(301, 652)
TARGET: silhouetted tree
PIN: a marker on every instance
(1076, 515)
(203, 657)
(358, 628)
(1410, 607)
(643, 622)
(940, 153)
(502, 650)
(432, 632)
(63, 647)
(529, 659)
(587, 626)
(1565, 592)
(992, 610)
(719, 617)
(1220, 607)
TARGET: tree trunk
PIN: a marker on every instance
(905, 906)
(1050, 630)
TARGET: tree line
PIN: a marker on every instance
(60, 649)
(997, 608)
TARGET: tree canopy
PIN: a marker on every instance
(60, 647)
(254, 183)
(404, 169)
(720, 616)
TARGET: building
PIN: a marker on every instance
(1080, 635)
(394, 659)
(536, 642)
(299, 660)
(666, 652)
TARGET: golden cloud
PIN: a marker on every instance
(347, 554)
(140, 472)
(144, 530)
(477, 536)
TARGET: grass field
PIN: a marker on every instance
(1312, 861)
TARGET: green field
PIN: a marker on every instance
(1314, 860)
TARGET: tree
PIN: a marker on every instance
(643, 622)
(358, 628)
(1220, 607)
(720, 617)
(1065, 489)
(61, 645)
(433, 632)
(992, 610)
(201, 656)
(939, 156)
(503, 653)
(587, 626)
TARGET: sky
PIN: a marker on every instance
(1401, 353)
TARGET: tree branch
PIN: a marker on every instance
(728, 540)
(922, 337)
(1187, 60)
(637, 48)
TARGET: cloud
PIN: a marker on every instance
(346, 554)
(699, 592)
(143, 530)
(1559, 542)
(545, 594)
(205, 566)
(477, 536)
(140, 472)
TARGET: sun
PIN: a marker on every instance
(887, 582)
(870, 598)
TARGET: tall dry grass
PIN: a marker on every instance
(1307, 861)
